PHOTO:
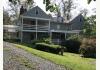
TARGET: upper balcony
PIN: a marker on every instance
(35, 27)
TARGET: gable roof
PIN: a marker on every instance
(36, 12)
(77, 22)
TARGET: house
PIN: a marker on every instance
(36, 24)
(11, 32)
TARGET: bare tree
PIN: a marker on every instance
(84, 12)
(6, 18)
(67, 7)
(16, 4)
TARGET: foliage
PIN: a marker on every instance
(15, 5)
(67, 7)
(77, 37)
(72, 46)
(45, 40)
(69, 60)
(84, 12)
(88, 47)
(90, 1)
(48, 47)
(49, 5)
(6, 18)
(37, 41)
(89, 28)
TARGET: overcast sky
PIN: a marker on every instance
(81, 4)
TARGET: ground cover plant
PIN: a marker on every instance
(70, 60)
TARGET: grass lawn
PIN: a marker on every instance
(69, 60)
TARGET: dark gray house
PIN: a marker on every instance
(36, 24)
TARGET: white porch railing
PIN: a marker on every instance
(33, 27)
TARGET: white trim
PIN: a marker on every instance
(49, 26)
(60, 31)
(22, 31)
(70, 31)
(65, 35)
(33, 31)
(50, 37)
(10, 26)
(35, 18)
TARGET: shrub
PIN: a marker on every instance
(37, 41)
(48, 48)
(75, 37)
(12, 40)
(72, 45)
(45, 40)
(88, 47)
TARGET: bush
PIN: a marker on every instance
(37, 41)
(88, 47)
(45, 40)
(71, 45)
(12, 40)
(75, 37)
(48, 48)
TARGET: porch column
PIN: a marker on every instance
(50, 32)
(50, 37)
(22, 30)
(65, 36)
(49, 26)
(36, 29)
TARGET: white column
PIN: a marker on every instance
(49, 26)
(36, 29)
(21, 30)
(65, 35)
(50, 36)
(50, 32)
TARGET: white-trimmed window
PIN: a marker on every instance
(58, 27)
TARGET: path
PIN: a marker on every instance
(19, 59)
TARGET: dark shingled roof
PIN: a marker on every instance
(36, 12)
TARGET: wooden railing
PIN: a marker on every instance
(34, 27)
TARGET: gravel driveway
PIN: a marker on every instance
(19, 59)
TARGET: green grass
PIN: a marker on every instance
(69, 60)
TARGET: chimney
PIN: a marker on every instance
(22, 10)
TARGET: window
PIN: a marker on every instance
(80, 20)
(58, 26)
(36, 12)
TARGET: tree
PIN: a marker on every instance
(84, 12)
(15, 5)
(67, 7)
(90, 1)
(49, 6)
(89, 28)
(6, 18)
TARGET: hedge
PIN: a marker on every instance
(71, 46)
(48, 47)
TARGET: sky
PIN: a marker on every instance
(81, 4)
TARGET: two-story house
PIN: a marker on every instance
(36, 24)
